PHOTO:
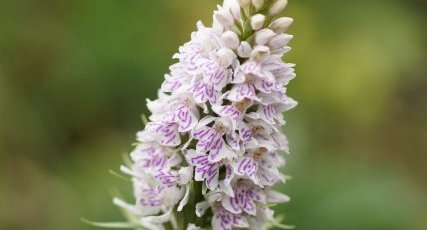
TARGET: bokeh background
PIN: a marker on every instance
(74, 76)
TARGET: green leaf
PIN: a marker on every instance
(126, 159)
(118, 175)
(144, 119)
(122, 225)
(282, 226)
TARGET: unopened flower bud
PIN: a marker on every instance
(224, 18)
(192, 227)
(276, 197)
(234, 8)
(244, 50)
(260, 52)
(257, 3)
(263, 36)
(280, 25)
(226, 55)
(279, 41)
(257, 21)
(230, 39)
(277, 7)
(185, 175)
(244, 3)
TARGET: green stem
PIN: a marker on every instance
(188, 215)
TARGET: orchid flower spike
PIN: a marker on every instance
(210, 153)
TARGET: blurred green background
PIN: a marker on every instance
(74, 76)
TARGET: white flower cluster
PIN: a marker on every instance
(211, 146)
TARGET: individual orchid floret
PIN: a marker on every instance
(224, 18)
(280, 25)
(204, 169)
(226, 220)
(230, 39)
(259, 53)
(279, 41)
(258, 3)
(261, 166)
(244, 50)
(227, 56)
(263, 36)
(234, 8)
(152, 157)
(244, 3)
(246, 196)
(277, 7)
(257, 21)
(210, 135)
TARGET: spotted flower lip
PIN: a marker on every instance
(204, 169)
(211, 147)
(226, 220)
(244, 198)
(211, 140)
(151, 156)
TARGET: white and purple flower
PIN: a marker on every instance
(213, 138)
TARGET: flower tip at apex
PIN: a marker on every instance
(257, 3)
(244, 3)
(277, 7)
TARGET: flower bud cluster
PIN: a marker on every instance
(213, 140)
